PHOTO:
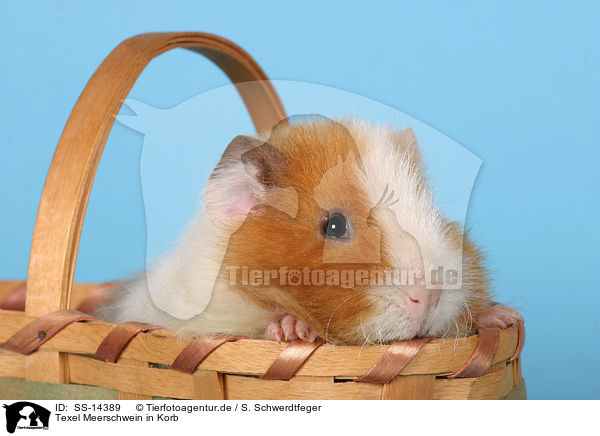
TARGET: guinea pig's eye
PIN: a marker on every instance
(336, 226)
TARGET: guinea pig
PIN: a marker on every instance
(319, 229)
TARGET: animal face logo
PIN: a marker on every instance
(182, 144)
(26, 415)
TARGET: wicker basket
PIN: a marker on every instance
(52, 352)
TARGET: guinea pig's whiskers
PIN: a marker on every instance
(469, 317)
(456, 337)
(381, 340)
(366, 341)
(334, 311)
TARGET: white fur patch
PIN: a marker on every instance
(386, 157)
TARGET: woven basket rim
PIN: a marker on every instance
(254, 356)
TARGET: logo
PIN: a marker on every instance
(26, 415)
(365, 191)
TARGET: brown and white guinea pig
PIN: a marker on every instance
(320, 229)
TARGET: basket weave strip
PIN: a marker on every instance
(15, 298)
(481, 359)
(291, 360)
(199, 349)
(113, 344)
(393, 360)
(520, 342)
(41, 330)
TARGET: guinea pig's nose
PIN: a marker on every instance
(420, 301)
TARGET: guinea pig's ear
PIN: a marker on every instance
(265, 164)
(248, 170)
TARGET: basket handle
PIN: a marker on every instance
(71, 174)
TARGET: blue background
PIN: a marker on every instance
(518, 84)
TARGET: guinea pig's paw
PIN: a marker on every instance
(499, 316)
(289, 328)
(274, 331)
